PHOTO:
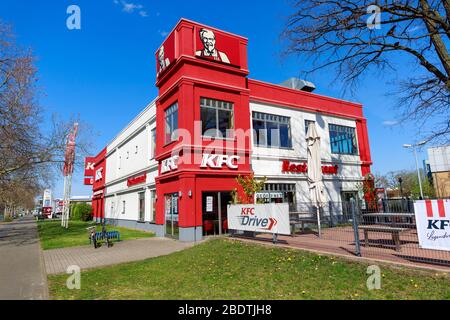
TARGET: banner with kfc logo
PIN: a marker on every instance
(433, 224)
(265, 218)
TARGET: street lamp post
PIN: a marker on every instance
(414, 146)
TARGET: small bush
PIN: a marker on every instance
(81, 212)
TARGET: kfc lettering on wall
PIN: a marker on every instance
(217, 161)
(288, 167)
(216, 46)
(170, 164)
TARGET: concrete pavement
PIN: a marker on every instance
(86, 257)
(22, 272)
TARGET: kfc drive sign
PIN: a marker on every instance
(433, 224)
(265, 218)
(217, 161)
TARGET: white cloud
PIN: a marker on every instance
(130, 7)
(163, 33)
(390, 123)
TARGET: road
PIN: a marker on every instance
(22, 271)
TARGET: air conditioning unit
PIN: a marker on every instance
(299, 84)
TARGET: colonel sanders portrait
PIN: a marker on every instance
(163, 62)
(209, 47)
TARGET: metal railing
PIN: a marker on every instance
(383, 230)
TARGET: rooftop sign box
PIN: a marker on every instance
(216, 46)
(202, 42)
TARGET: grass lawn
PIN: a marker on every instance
(228, 269)
(53, 236)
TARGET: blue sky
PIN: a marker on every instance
(106, 71)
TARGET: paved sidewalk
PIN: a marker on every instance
(86, 257)
(22, 273)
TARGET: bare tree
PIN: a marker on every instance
(31, 147)
(351, 36)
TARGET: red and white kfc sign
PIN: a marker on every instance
(433, 223)
(89, 163)
(217, 161)
(88, 181)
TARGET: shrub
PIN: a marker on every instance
(81, 212)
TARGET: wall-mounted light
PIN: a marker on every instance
(180, 194)
(190, 193)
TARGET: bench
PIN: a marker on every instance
(111, 235)
(301, 221)
(385, 229)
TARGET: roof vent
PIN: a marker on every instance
(299, 84)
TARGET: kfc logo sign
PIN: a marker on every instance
(170, 164)
(217, 161)
(89, 167)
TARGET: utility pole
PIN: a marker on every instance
(414, 146)
(69, 160)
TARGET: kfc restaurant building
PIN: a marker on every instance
(173, 168)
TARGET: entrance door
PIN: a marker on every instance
(171, 210)
(214, 207)
(346, 197)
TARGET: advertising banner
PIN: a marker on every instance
(433, 224)
(266, 218)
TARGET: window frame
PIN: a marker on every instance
(170, 112)
(339, 142)
(218, 105)
(273, 119)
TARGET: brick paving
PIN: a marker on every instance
(340, 240)
(58, 260)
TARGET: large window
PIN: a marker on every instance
(153, 199)
(172, 123)
(342, 139)
(271, 130)
(217, 118)
(307, 123)
(153, 143)
(142, 206)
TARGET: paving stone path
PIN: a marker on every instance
(22, 272)
(58, 260)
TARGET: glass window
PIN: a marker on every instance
(172, 123)
(153, 143)
(142, 206)
(153, 200)
(342, 139)
(217, 117)
(271, 130)
(307, 123)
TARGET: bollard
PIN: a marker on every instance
(355, 228)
